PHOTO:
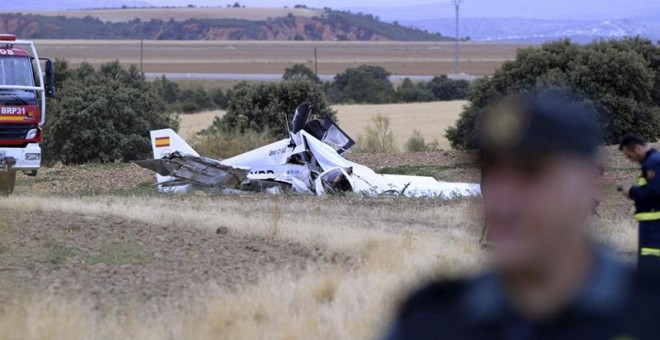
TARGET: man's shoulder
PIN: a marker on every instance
(654, 159)
(646, 284)
(434, 296)
(432, 312)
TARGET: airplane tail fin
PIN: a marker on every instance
(166, 141)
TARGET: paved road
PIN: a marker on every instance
(276, 77)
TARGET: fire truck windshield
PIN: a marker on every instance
(16, 71)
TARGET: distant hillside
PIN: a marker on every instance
(330, 25)
(535, 30)
(180, 13)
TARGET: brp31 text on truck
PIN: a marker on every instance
(23, 92)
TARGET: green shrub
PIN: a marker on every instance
(445, 89)
(621, 78)
(300, 71)
(219, 98)
(268, 106)
(366, 84)
(417, 143)
(188, 99)
(409, 92)
(378, 137)
(103, 116)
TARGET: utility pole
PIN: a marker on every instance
(142, 53)
(457, 48)
(316, 62)
(141, 42)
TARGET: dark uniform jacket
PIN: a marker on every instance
(616, 303)
(646, 193)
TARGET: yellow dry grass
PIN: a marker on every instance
(191, 124)
(431, 119)
(395, 249)
(181, 14)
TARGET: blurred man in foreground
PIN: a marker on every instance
(646, 195)
(550, 280)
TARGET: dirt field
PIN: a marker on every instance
(181, 14)
(110, 262)
(99, 253)
(272, 57)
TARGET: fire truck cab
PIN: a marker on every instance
(23, 92)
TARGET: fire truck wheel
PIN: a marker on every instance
(7, 183)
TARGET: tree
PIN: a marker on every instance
(618, 77)
(104, 116)
(300, 71)
(444, 88)
(365, 84)
(195, 99)
(263, 107)
(409, 92)
(219, 98)
(167, 90)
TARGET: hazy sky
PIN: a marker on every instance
(424, 9)
(311, 3)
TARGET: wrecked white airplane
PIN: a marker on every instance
(309, 162)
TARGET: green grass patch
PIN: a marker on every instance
(58, 253)
(129, 252)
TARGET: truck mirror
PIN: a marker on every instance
(50, 79)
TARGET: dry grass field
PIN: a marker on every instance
(431, 119)
(190, 124)
(100, 254)
(272, 57)
(181, 14)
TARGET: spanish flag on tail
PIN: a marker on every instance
(162, 142)
(166, 141)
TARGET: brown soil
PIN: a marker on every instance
(113, 262)
(87, 179)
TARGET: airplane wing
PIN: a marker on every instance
(178, 166)
(366, 181)
(184, 170)
(422, 186)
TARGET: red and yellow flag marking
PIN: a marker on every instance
(162, 142)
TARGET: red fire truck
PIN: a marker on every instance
(23, 91)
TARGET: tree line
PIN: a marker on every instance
(366, 84)
(105, 114)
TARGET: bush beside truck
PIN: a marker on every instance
(102, 115)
